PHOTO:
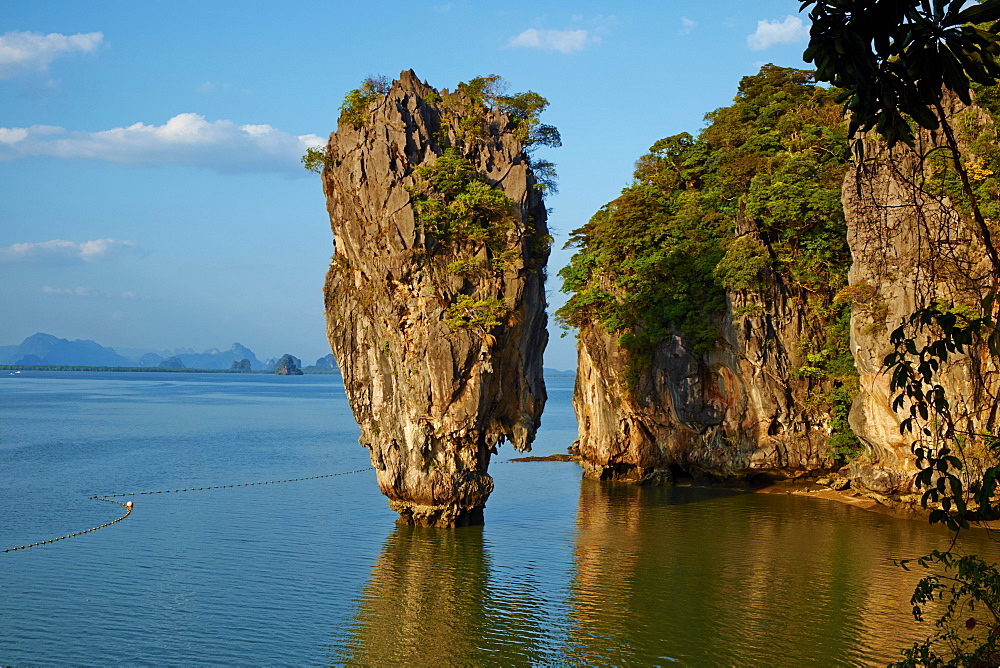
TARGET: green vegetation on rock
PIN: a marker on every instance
(315, 159)
(472, 101)
(466, 312)
(754, 197)
(775, 158)
(455, 203)
(466, 218)
(352, 109)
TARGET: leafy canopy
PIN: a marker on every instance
(660, 257)
(894, 59)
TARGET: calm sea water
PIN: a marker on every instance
(565, 572)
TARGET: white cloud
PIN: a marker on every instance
(564, 41)
(32, 51)
(58, 250)
(79, 291)
(83, 291)
(688, 25)
(185, 139)
(769, 33)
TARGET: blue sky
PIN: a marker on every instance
(151, 194)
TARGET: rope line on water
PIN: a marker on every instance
(127, 505)
(243, 484)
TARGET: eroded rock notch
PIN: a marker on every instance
(435, 296)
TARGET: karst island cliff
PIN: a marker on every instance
(711, 341)
(735, 304)
(435, 299)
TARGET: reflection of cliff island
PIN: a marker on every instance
(660, 572)
(424, 602)
(648, 575)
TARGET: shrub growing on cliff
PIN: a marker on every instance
(467, 312)
(480, 95)
(455, 203)
(743, 264)
(352, 109)
(315, 159)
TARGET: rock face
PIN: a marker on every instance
(438, 332)
(738, 411)
(911, 248)
(711, 345)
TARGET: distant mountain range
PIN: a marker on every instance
(48, 350)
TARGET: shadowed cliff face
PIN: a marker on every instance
(438, 331)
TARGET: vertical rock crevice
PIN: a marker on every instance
(437, 322)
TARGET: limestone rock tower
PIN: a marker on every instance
(435, 301)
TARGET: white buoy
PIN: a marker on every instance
(129, 505)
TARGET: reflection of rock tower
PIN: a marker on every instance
(435, 298)
(425, 602)
(434, 599)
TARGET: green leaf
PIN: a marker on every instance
(954, 78)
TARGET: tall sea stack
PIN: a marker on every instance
(435, 300)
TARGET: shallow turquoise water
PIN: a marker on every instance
(565, 572)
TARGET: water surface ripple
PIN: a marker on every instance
(565, 572)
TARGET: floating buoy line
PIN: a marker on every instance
(127, 505)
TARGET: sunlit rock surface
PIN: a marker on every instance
(910, 249)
